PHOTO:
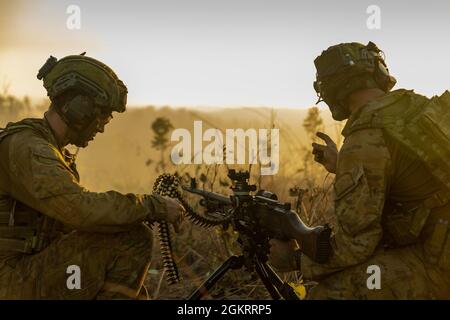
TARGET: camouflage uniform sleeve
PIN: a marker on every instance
(42, 180)
(363, 170)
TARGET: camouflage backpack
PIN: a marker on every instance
(420, 124)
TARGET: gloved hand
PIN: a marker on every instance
(166, 209)
(327, 154)
(175, 213)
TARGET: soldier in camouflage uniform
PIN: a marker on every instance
(392, 184)
(48, 221)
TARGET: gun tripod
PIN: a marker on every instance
(276, 287)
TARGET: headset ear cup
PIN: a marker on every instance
(383, 78)
(78, 110)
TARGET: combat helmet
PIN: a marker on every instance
(346, 68)
(91, 90)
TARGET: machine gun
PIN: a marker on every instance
(256, 218)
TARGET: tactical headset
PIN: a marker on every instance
(345, 68)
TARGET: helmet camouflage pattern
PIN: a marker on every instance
(85, 74)
(346, 68)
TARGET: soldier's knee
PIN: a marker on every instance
(131, 258)
(131, 250)
(137, 239)
(135, 242)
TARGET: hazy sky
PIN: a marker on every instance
(222, 53)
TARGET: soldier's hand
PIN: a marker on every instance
(175, 213)
(326, 154)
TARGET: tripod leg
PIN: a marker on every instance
(286, 291)
(262, 273)
(233, 262)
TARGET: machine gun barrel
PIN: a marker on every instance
(207, 194)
